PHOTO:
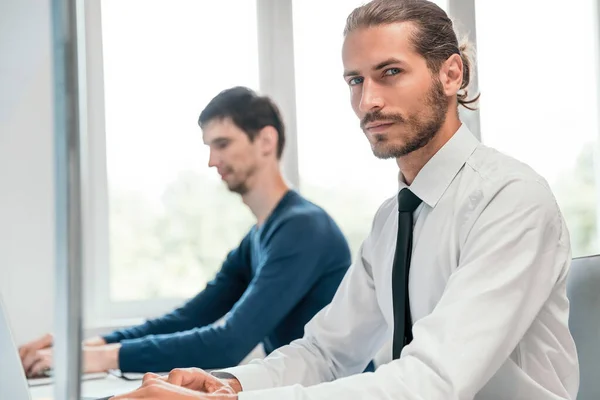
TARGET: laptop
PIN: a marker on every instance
(13, 384)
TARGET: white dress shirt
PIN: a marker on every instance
(487, 291)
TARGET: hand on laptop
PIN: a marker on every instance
(184, 384)
(35, 345)
(36, 356)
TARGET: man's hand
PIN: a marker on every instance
(159, 389)
(95, 359)
(197, 380)
(27, 351)
(36, 356)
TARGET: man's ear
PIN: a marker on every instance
(451, 75)
(267, 138)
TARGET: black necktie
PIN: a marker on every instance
(407, 204)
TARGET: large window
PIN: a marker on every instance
(337, 168)
(171, 220)
(538, 71)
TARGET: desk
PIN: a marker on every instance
(108, 386)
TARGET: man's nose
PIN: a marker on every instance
(371, 99)
(213, 159)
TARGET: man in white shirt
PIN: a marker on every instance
(487, 248)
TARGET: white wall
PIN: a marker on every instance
(26, 166)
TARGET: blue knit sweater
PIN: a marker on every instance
(268, 288)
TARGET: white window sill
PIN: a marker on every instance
(105, 327)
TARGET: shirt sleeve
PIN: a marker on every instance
(339, 341)
(289, 268)
(514, 253)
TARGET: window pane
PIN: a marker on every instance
(539, 102)
(338, 171)
(171, 219)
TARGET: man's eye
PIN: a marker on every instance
(392, 71)
(355, 81)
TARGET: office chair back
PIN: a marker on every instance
(583, 290)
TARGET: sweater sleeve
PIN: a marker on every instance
(288, 270)
(203, 309)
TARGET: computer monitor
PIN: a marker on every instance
(13, 383)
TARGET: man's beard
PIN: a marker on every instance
(423, 131)
(241, 187)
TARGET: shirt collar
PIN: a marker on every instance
(435, 176)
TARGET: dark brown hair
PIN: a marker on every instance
(434, 37)
(248, 111)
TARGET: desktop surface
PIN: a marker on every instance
(91, 389)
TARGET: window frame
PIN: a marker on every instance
(276, 79)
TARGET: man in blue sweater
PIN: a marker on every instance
(286, 268)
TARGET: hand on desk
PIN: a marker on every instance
(36, 356)
(185, 384)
